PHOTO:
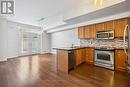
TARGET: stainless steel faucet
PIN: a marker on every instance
(72, 45)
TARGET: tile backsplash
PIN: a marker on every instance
(116, 43)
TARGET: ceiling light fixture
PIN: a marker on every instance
(41, 19)
(95, 2)
(100, 2)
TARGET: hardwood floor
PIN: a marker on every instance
(40, 71)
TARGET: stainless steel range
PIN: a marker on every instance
(104, 57)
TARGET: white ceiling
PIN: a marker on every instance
(29, 11)
(57, 13)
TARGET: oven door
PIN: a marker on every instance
(105, 57)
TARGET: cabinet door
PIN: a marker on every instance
(92, 32)
(80, 56)
(81, 32)
(83, 55)
(109, 25)
(99, 27)
(87, 32)
(120, 60)
(89, 54)
(120, 26)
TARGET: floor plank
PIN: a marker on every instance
(41, 71)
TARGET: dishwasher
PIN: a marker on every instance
(71, 60)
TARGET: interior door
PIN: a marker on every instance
(30, 44)
(34, 44)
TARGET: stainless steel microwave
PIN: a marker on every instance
(105, 34)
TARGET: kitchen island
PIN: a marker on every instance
(65, 59)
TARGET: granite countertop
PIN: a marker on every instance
(81, 47)
(72, 48)
(65, 48)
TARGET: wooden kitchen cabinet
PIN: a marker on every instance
(86, 32)
(80, 56)
(90, 32)
(81, 32)
(119, 26)
(99, 27)
(109, 25)
(89, 55)
(120, 60)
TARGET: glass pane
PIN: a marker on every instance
(103, 57)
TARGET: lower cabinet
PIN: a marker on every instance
(120, 60)
(89, 55)
(84, 55)
(80, 56)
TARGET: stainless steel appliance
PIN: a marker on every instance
(127, 30)
(104, 57)
(105, 34)
(71, 60)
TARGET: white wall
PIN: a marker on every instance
(64, 39)
(10, 39)
(46, 43)
(3, 39)
(13, 40)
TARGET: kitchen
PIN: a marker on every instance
(101, 44)
(65, 43)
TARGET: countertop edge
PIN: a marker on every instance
(70, 49)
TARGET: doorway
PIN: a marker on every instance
(30, 43)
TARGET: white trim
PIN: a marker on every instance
(3, 59)
(52, 52)
(12, 57)
(108, 18)
(45, 52)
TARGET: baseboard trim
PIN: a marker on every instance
(45, 52)
(53, 52)
(3, 60)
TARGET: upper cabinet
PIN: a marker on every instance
(92, 32)
(105, 26)
(99, 27)
(86, 34)
(119, 26)
(81, 32)
(109, 25)
(89, 31)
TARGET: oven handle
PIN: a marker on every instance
(106, 52)
(101, 63)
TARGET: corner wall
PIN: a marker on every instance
(64, 39)
(3, 39)
(46, 43)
